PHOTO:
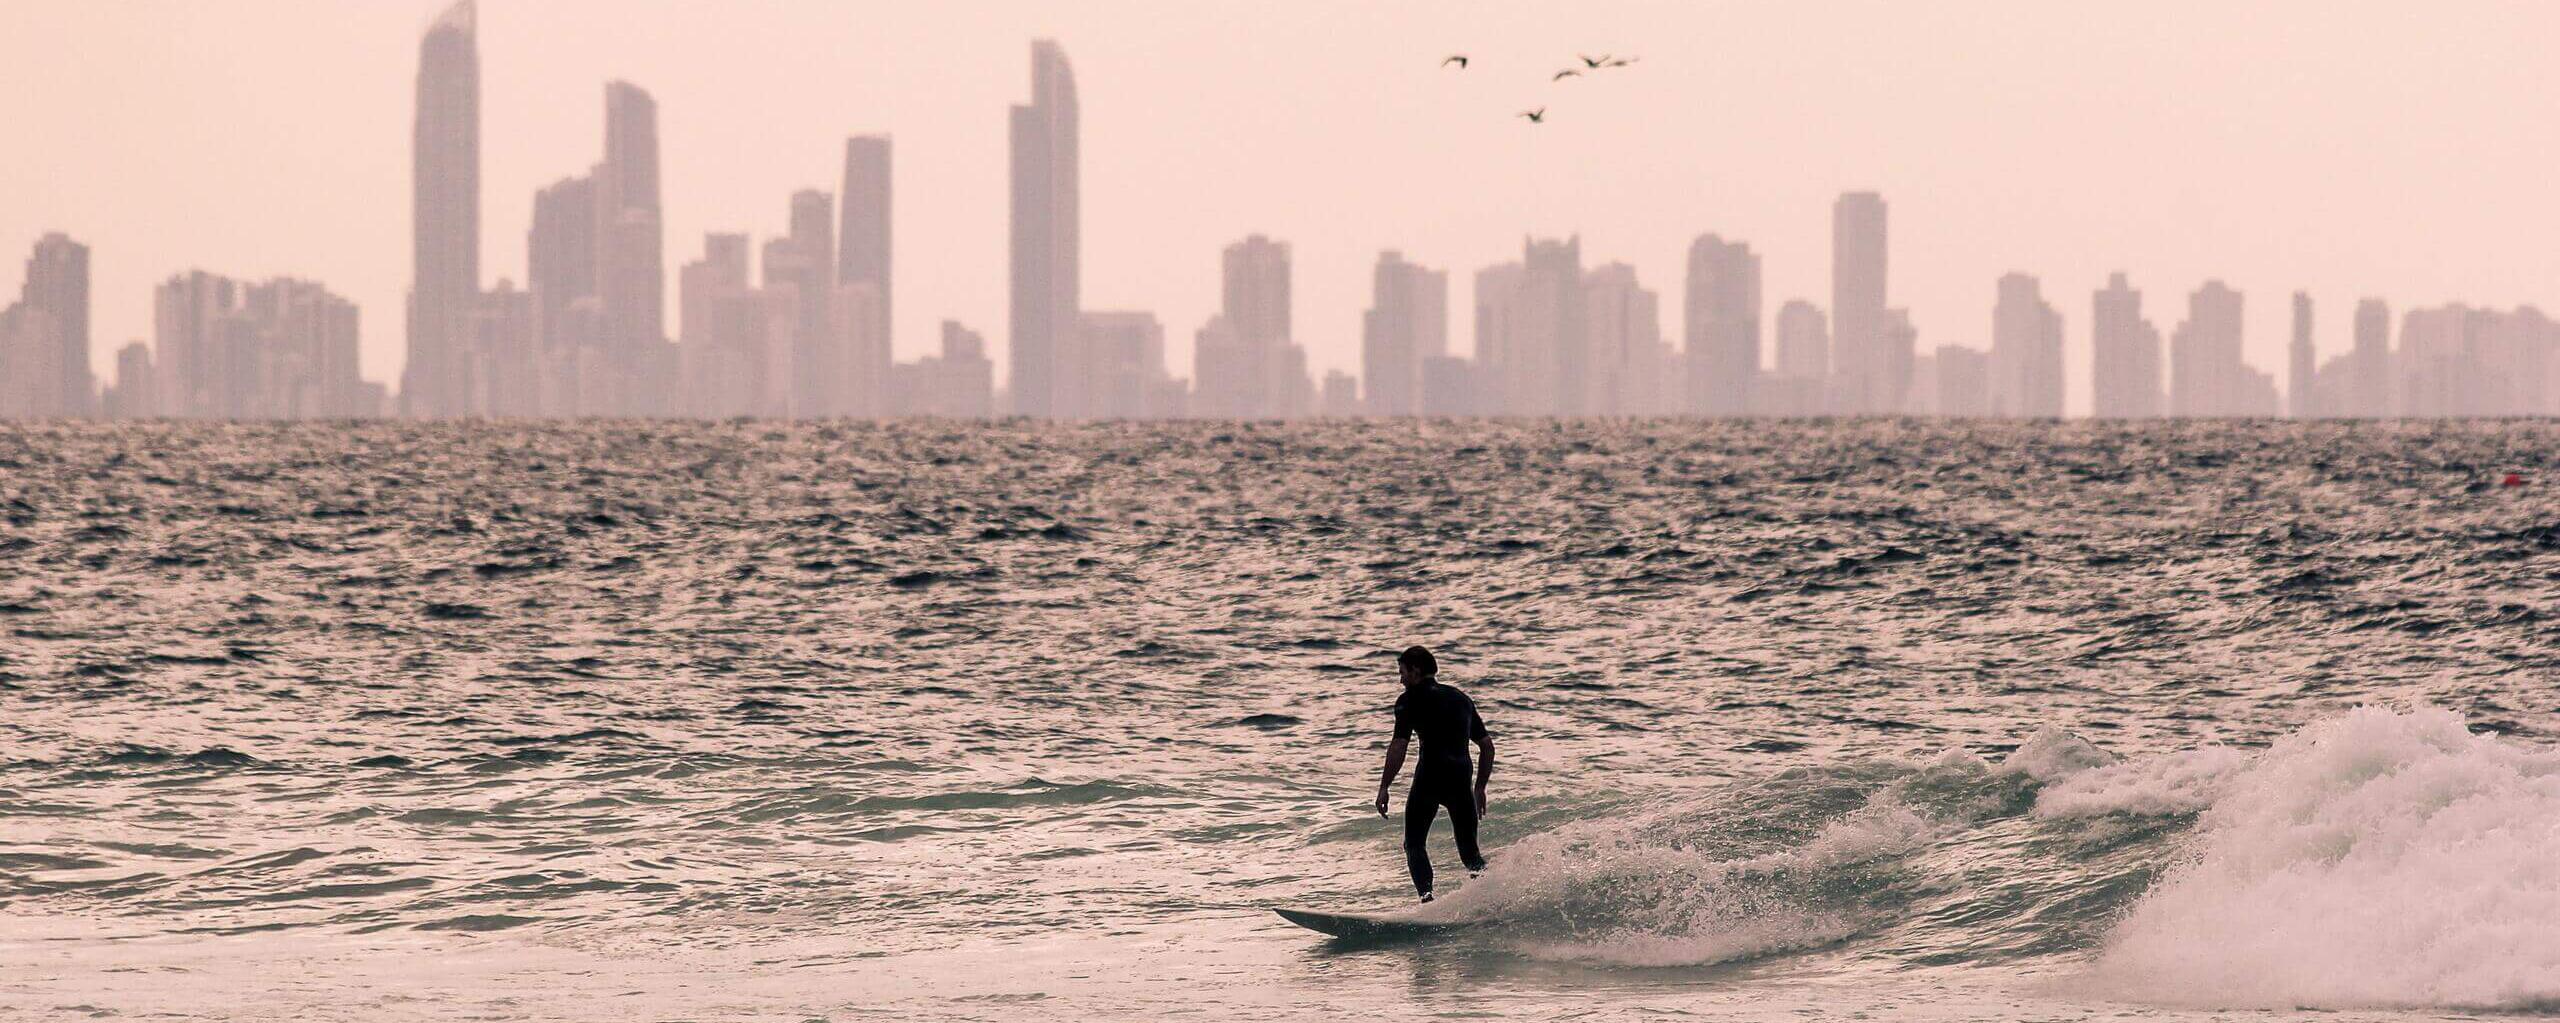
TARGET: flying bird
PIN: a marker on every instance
(1590, 61)
(1458, 59)
(1620, 62)
(1564, 74)
(1538, 116)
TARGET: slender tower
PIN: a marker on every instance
(444, 284)
(1047, 368)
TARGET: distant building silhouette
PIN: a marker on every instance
(1630, 369)
(2301, 361)
(1964, 383)
(444, 289)
(1722, 319)
(1245, 361)
(2370, 392)
(2124, 355)
(1046, 245)
(560, 273)
(1126, 376)
(955, 383)
(631, 347)
(44, 336)
(2026, 351)
(1407, 323)
(2206, 375)
(863, 245)
(1872, 369)
(1799, 384)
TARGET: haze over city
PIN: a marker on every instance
(2355, 153)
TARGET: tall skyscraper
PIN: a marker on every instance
(1264, 376)
(1046, 371)
(57, 288)
(1551, 365)
(630, 256)
(2371, 389)
(863, 243)
(821, 367)
(187, 312)
(1128, 379)
(2026, 351)
(2207, 376)
(1873, 374)
(1801, 380)
(2301, 361)
(1406, 323)
(1630, 368)
(444, 288)
(560, 272)
(2124, 355)
(1721, 318)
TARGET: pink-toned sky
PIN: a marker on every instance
(2401, 149)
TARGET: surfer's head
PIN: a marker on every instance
(1417, 666)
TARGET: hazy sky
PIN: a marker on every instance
(2401, 149)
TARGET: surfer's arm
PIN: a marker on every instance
(1395, 763)
(1484, 767)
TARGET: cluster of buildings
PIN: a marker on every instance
(800, 326)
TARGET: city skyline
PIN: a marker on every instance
(1321, 336)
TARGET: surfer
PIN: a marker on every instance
(1447, 721)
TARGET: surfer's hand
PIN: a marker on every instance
(1479, 800)
(1382, 801)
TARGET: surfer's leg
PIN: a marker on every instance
(1419, 805)
(1462, 819)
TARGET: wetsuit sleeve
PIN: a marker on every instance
(1475, 723)
(1404, 721)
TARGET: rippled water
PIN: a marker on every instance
(760, 721)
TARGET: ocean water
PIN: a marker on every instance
(753, 721)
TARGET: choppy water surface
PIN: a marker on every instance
(756, 721)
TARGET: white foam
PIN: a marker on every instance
(2053, 754)
(2379, 859)
(1618, 892)
(2173, 783)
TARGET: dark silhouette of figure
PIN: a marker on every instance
(1447, 721)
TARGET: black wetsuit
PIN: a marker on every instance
(1442, 774)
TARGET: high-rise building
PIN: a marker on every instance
(1340, 398)
(2301, 361)
(187, 311)
(57, 287)
(1547, 375)
(1722, 321)
(444, 289)
(1127, 378)
(722, 333)
(560, 274)
(2124, 355)
(2207, 376)
(1873, 372)
(862, 254)
(2026, 351)
(1498, 355)
(956, 383)
(2371, 391)
(631, 256)
(1406, 323)
(1046, 287)
(1265, 376)
(506, 355)
(136, 392)
(1963, 383)
(1628, 366)
(1799, 382)
(820, 364)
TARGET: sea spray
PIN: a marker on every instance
(2379, 859)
